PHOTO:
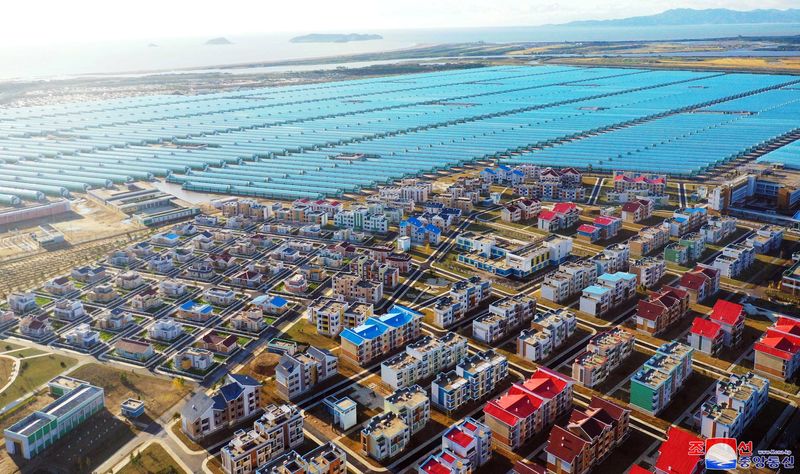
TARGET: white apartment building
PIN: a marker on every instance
(424, 359)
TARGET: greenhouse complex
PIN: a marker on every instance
(334, 138)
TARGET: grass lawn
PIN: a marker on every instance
(43, 300)
(33, 373)
(8, 346)
(154, 458)
(6, 367)
(306, 333)
(159, 394)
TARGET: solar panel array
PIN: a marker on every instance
(328, 139)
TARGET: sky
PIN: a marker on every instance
(59, 21)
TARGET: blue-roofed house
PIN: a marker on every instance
(271, 304)
(194, 311)
(381, 335)
(234, 402)
(595, 300)
(420, 231)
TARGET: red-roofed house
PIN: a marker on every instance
(730, 316)
(444, 462)
(528, 407)
(567, 452)
(638, 210)
(778, 350)
(661, 309)
(609, 226)
(701, 282)
(549, 220)
(674, 454)
(588, 232)
(706, 336)
(470, 440)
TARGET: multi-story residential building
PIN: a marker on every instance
(444, 461)
(194, 311)
(380, 336)
(147, 300)
(528, 407)
(689, 219)
(171, 288)
(193, 359)
(736, 402)
(778, 349)
(614, 258)
(424, 359)
(352, 287)
(35, 326)
(22, 303)
(326, 459)
(610, 291)
(701, 282)
(129, 280)
(278, 430)
(790, 279)
(412, 405)
(271, 304)
(706, 336)
(648, 270)
(450, 391)
(654, 185)
(220, 296)
(661, 377)
(505, 316)
(637, 210)
(469, 440)
(362, 219)
(464, 296)
(675, 455)
(88, 275)
(250, 319)
(60, 286)
(768, 238)
(548, 331)
(76, 401)
(231, 404)
(82, 335)
(687, 249)
(115, 320)
(165, 329)
(296, 374)
(570, 279)
(649, 240)
(374, 270)
(604, 353)
(483, 372)
(734, 260)
(330, 316)
(522, 210)
(475, 378)
(730, 317)
(220, 343)
(384, 436)
(588, 438)
(132, 349)
(69, 310)
(661, 309)
(563, 215)
(161, 263)
(718, 228)
(511, 258)
(420, 231)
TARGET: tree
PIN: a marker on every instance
(178, 383)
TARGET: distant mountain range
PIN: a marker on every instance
(688, 16)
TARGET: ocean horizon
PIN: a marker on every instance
(174, 54)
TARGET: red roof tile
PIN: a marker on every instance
(564, 445)
(705, 328)
(727, 312)
(787, 325)
(547, 215)
(564, 207)
(501, 415)
(459, 437)
(673, 455)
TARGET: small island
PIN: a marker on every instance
(334, 38)
(217, 41)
